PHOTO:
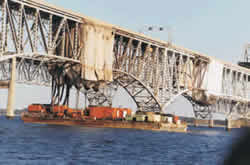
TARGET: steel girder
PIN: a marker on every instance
(35, 32)
(31, 28)
(166, 73)
(201, 111)
(102, 97)
(31, 69)
(227, 107)
(142, 96)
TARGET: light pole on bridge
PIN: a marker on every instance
(154, 28)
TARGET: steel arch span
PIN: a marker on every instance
(137, 90)
(35, 34)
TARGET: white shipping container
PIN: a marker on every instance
(157, 118)
(178, 122)
(140, 117)
(170, 119)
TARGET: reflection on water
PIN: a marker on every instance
(45, 144)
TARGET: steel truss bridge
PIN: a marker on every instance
(151, 71)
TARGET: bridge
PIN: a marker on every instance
(46, 45)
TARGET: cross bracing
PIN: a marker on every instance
(154, 73)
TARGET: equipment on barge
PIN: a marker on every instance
(96, 116)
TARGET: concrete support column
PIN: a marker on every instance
(211, 123)
(196, 122)
(228, 124)
(12, 91)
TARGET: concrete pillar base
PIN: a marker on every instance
(10, 117)
(211, 123)
(228, 124)
(196, 123)
(11, 92)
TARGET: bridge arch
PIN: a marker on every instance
(173, 98)
(136, 89)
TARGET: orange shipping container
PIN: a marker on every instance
(101, 112)
(60, 114)
(176, 118)
(59, 108)
(70, 110)
(74, 115)
(109, 112)
(35, 108)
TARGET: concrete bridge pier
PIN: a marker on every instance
(228, 123)
(211, 123)
(196, 122)
(12, 91)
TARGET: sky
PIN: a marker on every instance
(218, 28)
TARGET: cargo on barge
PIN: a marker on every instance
(102, 117)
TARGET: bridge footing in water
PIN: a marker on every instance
(228, 124)
(211, 123)
(12, 91)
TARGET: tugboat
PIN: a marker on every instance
(96, 116)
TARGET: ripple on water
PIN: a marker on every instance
(43, 144)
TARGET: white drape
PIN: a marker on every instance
(97, 52)
(213, 78)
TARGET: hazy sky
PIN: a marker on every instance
(219, 28)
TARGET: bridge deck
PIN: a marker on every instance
(48, 7)
(152, 71)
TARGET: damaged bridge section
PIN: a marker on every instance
(44, 44)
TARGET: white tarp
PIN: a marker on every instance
(213, 78)
(97, 52)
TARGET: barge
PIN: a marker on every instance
(102, 117)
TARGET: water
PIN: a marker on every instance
(45, 144)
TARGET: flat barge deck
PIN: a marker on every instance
(171, 127)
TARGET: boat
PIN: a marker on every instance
(102, 117)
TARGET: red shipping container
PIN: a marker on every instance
(101, 112)
(176, 118)
(108, 112)
(35, 108)
(60, 114)
(59, 108)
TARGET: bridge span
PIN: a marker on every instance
(46, 45)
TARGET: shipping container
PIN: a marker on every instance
(60, 114)
(36, 108)
(108, 112)
(129, 118)
(76, 114)
(128, 111)
(157, 118)
(59, 108)
(101, 112)
(122, 113)
(176, 118)
(70, 111)
(140, 117)
(153, 118)
(178, 122)
(170, 120)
